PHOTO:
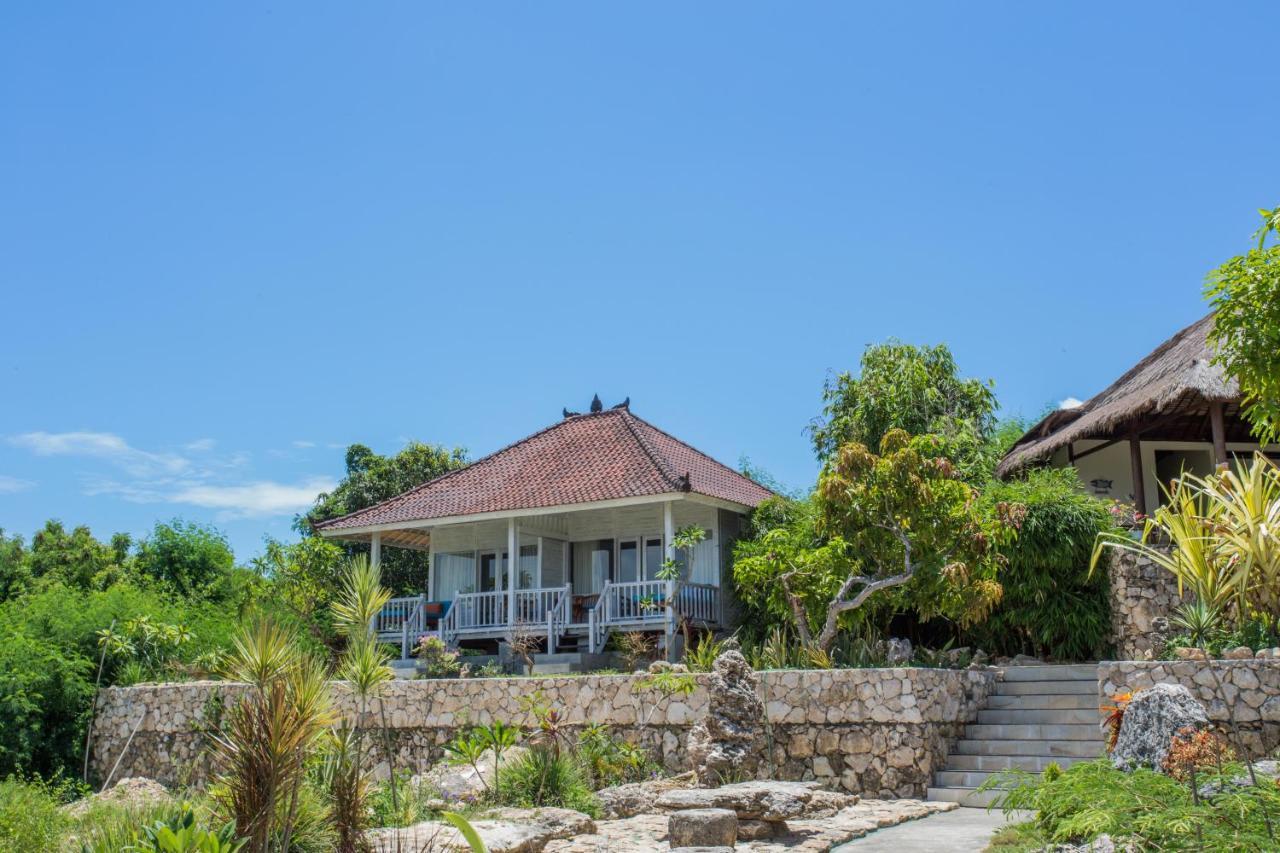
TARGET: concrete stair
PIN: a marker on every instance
(1036, 715)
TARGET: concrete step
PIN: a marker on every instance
(961, 778)
(1046, 732)
(963, 796)
(1052, 748)
(1053, 672)
(1029, 716)
(996, 763)
(1045, 688)
(1050, 702)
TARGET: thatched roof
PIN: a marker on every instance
(1178, 375)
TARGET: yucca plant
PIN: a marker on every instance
(364, 668)
(269, 732)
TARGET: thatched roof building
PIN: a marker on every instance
(1174, 395)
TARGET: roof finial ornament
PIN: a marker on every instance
(596, 405)
(625, 404)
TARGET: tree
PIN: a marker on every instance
(15, 574)
(372, 478)
(193, 559)
(1245, 295)
(306, 579)
(685, 542)
(903, 525)
(914, 389)
(77, 558)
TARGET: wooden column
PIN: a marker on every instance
(375, 548)
(1139, 483)
(669, 538)
(1219, 429)
(513, 555)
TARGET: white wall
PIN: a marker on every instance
(1108, 473)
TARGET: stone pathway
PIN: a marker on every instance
(965, 830)
(648, 833)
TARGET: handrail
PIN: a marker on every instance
(600, 617)
(558, 617)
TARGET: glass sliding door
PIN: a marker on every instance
(628, 561)
(653, 557)
(592, 565)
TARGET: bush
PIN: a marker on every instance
(29, 816)
(1052, 606)
(546, 777)
(1144, 808)
(44, 706)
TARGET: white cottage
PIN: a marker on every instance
(589, 508)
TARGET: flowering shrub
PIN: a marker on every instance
(1193, 751)
(1115, 716)
(435, 659)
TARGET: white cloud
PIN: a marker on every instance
(1070, 403)
(261, 498)
(200, 445)
(303, 445)
(101, 445)
(8, 485)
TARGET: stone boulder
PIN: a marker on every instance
(464, 782)
(135, 792)
(764, 800)
(621, 801)
(729, 742)
(1151, 720)
(501, 830)
(702, 828)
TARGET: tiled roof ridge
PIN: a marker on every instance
(469, 466)
(703, 454)
(674, 479)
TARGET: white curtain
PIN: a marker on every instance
(454, 573)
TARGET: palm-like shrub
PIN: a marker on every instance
(1223, 540)
(270, 732)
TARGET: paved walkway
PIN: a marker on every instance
(959, 831)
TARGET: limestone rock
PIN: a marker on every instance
(1186, 653)
(702, 828)
(135, 792)
(763, 800)
(464, 782)
(502, 831)
(1152, 718)
(729, 740)
(1268, 654)
(897, 651)
(1238, 653)
(638, 797)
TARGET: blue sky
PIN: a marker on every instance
(238, 238)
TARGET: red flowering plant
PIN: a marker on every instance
(1115, 716)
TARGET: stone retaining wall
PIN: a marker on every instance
(878, 732)
(1249, 689)
(1142, 596)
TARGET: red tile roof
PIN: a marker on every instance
(582, 459)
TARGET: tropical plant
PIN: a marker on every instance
(467, 831)
(499, 737)
(636, 648)
(1053, 607)
(269, 732)
(469, 748)
(702, 656)
(545, 777)
(607, 761)
(435, 659)
(684, 543)
(180, 833)
(1245, 295)
(1223, 535)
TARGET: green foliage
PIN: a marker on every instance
(435, 659)
(913, 389)
(1052, 605)
(543, 777)
(192, 559)
(29, 816)
(701, 656)
(180, 833)
(1147, 809)
(467, 830)
(606, 760)
(306, 579)
(15, 572)
(372, 478)
(77, 559)
(1245, 295)
(44, 703)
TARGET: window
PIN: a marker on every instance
(455, 573)
(592, 565)
(488, 572)
(653, 556)
(628, 560)
(528, 567)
